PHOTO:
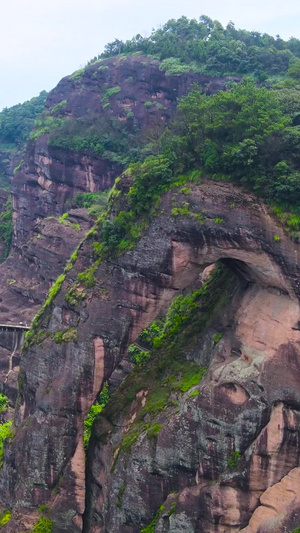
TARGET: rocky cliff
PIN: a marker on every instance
(51, 174)
(131, 91)
(202, 435)
(203, 438)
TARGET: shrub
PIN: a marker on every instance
(173, 66)
(217, 337)
(56, 109)
(148, 335)
(94, 411)
(77, 74)
(137, 355)
(5, 433)
(44, 124)
(111, 91)
(4, 402)
(44, 525)
(234, 460)
(6, 229)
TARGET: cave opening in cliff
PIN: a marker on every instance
(241, 269)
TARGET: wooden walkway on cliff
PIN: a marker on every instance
(9, 327)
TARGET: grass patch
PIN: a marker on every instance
(95, 202)
(290, 219)
(68, 335)
(184, 209)
(5, 518)
(121, 494)
(77, 75)
(64, 220)
(153, 431)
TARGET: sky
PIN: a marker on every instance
(41, 40)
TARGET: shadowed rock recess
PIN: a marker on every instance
(219, 453)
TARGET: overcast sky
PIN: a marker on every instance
(41, 40)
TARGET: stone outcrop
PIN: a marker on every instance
(224, 447)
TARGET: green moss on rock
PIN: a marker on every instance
(5, 518)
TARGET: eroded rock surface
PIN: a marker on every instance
(220, 449)
(49, 177)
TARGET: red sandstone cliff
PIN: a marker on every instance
(50, 177)
(248, 401)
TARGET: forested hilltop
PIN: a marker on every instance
(248, 133)
(205, 46)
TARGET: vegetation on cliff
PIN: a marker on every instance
(6, 230)
(166, 372)
(181, 45)
(247, 133)
(5, 518)
(44, 525)
(243, 135)
(94, 411)
(17, 121)
(5, 433)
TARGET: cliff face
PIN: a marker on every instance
(203, 437)
(129, 90)
(220, 454)
(51, 176)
